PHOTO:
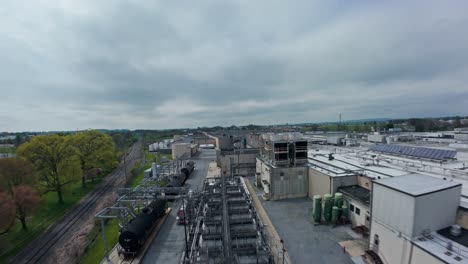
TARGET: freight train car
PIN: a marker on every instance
(188, 168)
(133, 235)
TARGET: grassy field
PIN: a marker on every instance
(95, 250)
(47, 213)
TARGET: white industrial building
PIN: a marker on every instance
(333, 173)
(406, 208)
(376, 138)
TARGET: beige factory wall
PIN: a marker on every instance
(392, 248)
(264, 170)
(364, 182)
(181, 151)
(357, 220)
(206, 140)
(462, 218)
(422, 257)
(319, 183)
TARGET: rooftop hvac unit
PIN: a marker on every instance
(455, 230)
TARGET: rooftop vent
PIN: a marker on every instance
(455, 230)
(449, 246)
(426, 232)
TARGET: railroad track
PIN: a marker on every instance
(37, 254)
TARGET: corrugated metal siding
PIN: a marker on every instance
(290, 182)
(394, 209)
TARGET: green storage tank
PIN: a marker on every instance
(344, 212)
(317, 213)
(335, 214)
(338, 200)
(327, 207)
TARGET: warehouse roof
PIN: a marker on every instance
(416, 184)
(357, 192)
(461, 239)
(437, 245)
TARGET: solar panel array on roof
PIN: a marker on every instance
(420, 152)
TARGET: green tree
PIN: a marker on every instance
(119, 140)
(55, 160)
(95, 150)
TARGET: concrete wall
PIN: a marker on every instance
(394, 209)
(204, 140)
(289, 182)
(224, 142)
(461, 137)
(364, 182)
(264, 170)
(462, 218)
(357, 220)
(319, 183)
(436, 210)
(249, 160)
(422, 257)
(392, 247)
(181, 150)
(376, 138)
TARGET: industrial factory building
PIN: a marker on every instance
(183, 150)
(411, 221)
(281, 168)
(231, 231)
(239, 162)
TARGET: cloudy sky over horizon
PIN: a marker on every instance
(73, 64)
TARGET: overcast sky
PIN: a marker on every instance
(74, 64)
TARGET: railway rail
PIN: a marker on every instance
(38, 250)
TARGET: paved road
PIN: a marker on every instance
(305, 242)
(169, 244)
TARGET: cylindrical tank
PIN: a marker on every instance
(327, 207)
(317, 213)
(338, 199)
(335, 214)
(344, 212)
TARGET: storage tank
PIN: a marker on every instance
(344, 212)
(338, 200)
(317, 213)
(335, 214)
(327, 207)
(154, 169)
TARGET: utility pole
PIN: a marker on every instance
(185, 228)
(282, 248)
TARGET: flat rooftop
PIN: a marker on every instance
(357, 192)
(360, 160)
(416, 184)
(345, 164)
(437, 245)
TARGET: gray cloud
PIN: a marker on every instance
(158, 64)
